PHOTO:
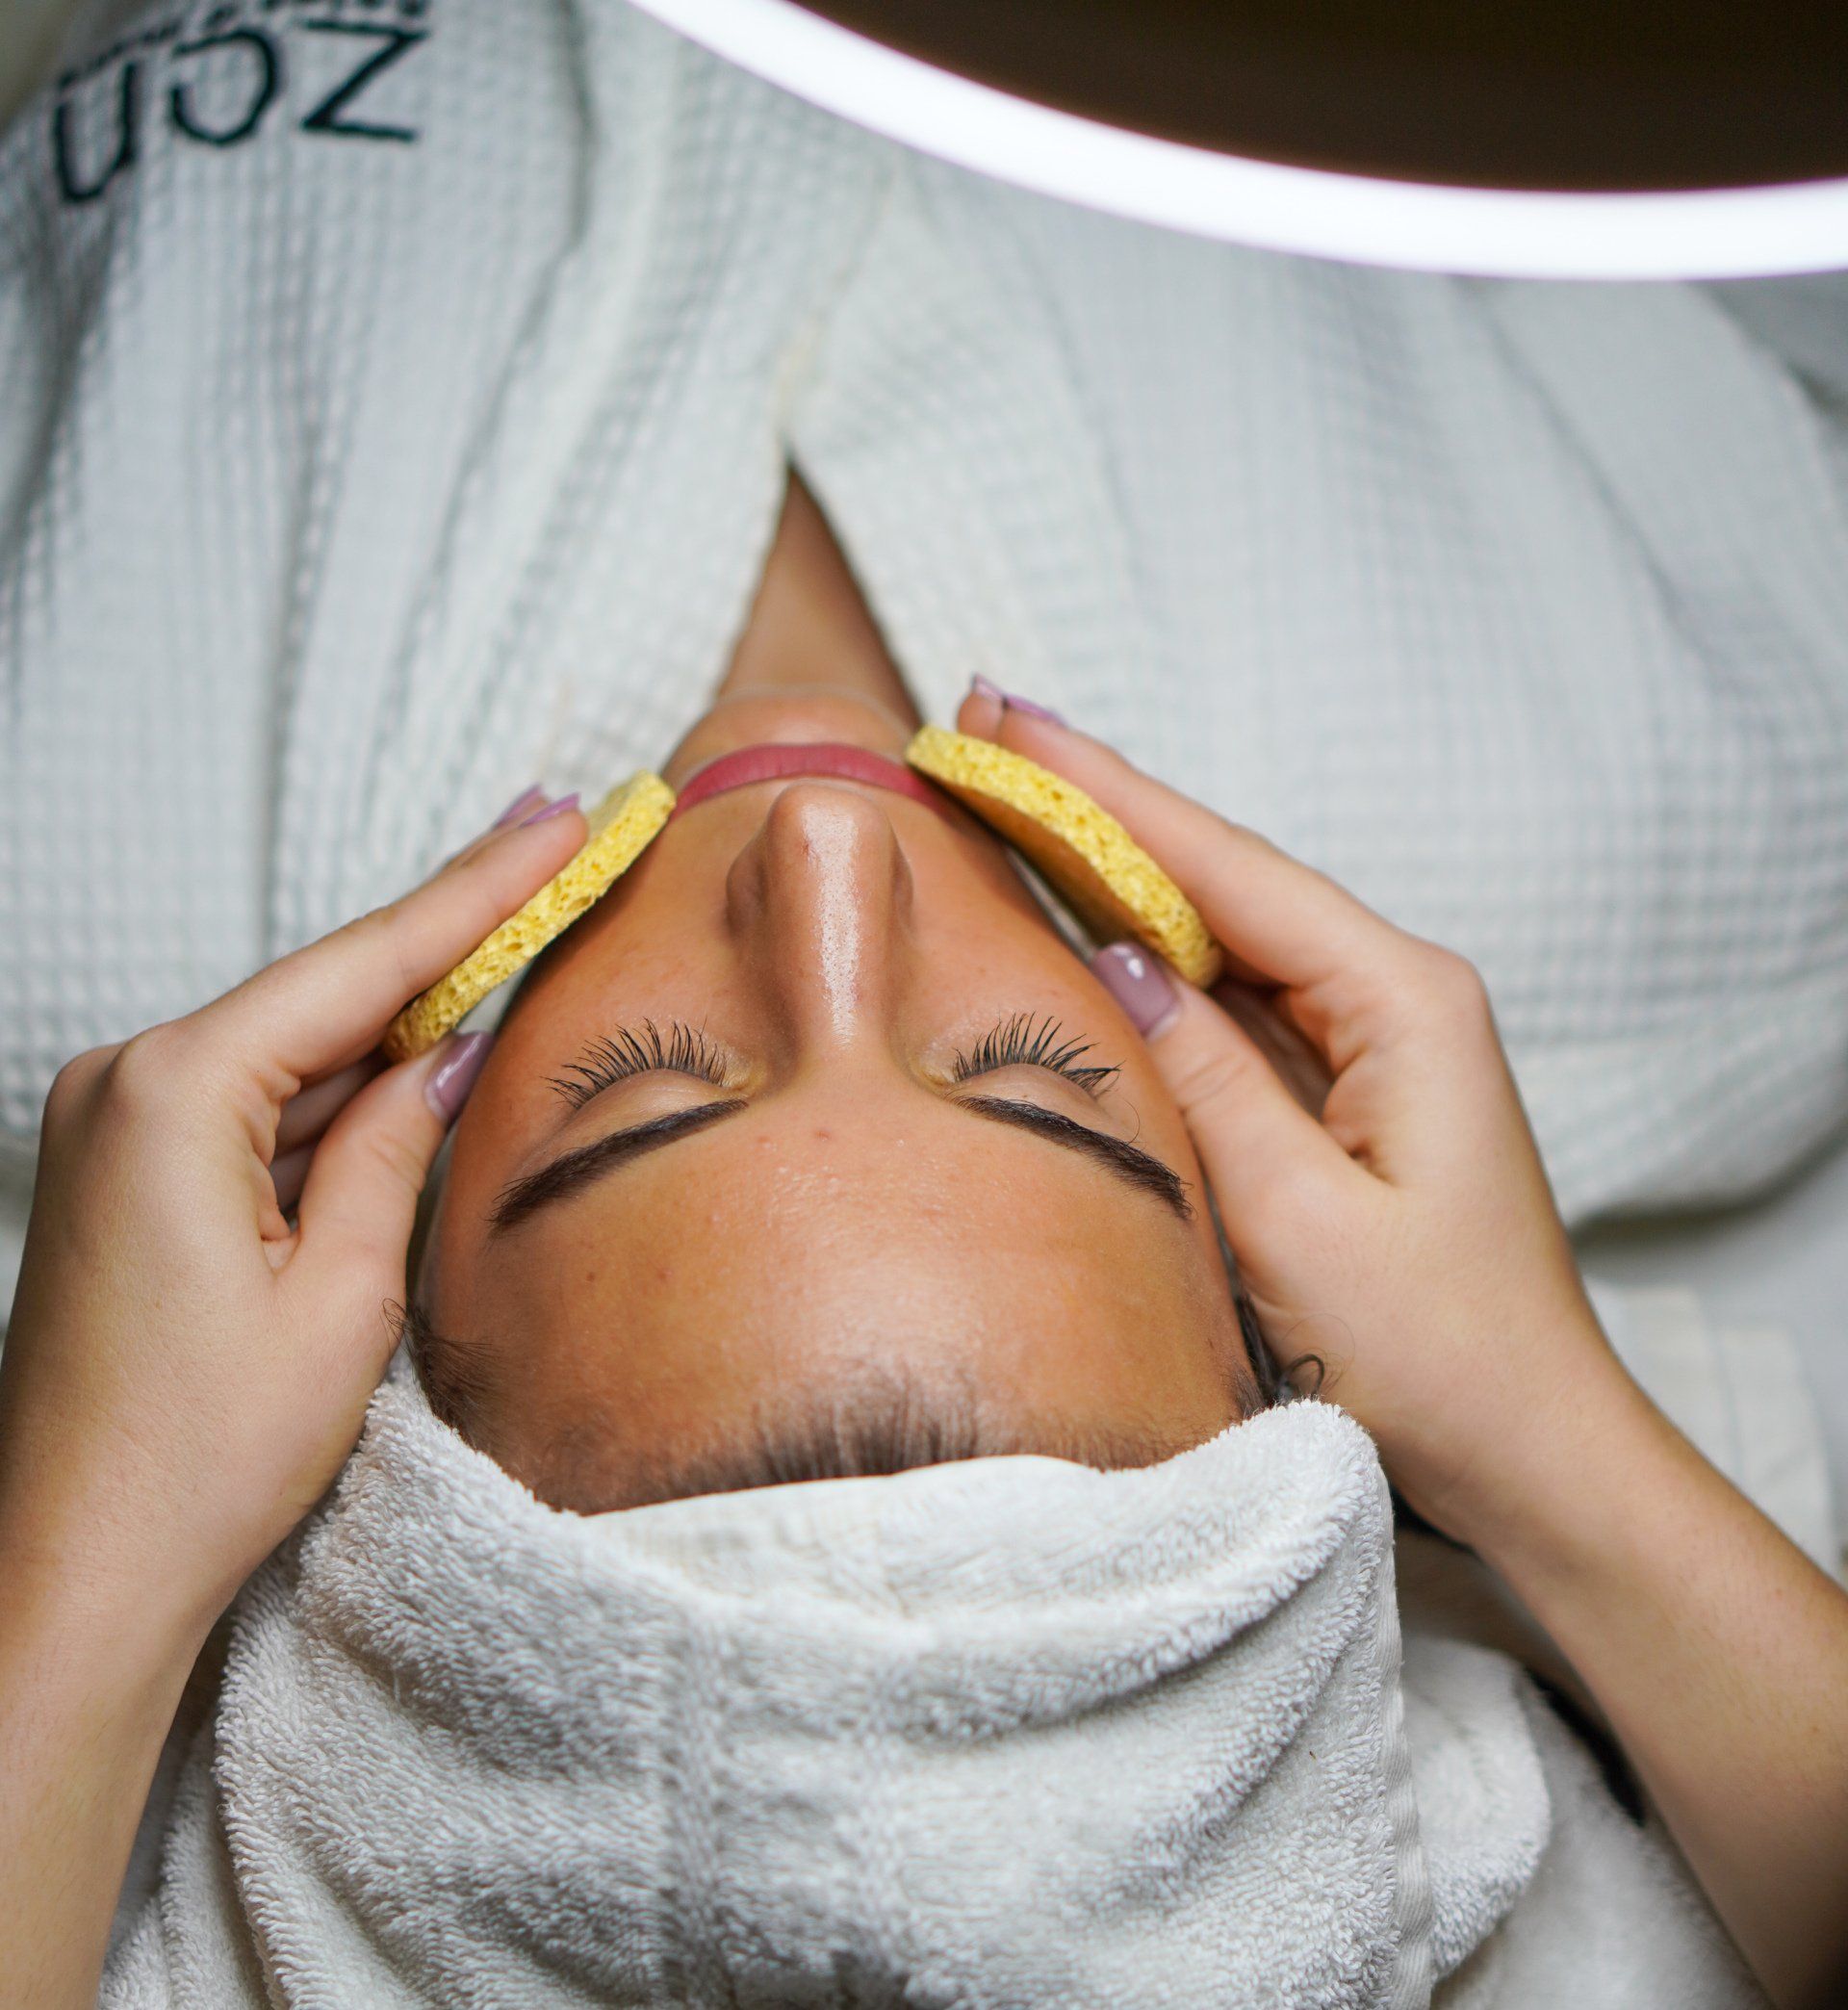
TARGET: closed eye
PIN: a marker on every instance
(636, 1050)
(1019, 1042)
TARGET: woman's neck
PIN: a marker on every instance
(811, 623)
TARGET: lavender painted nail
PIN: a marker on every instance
(1031, 710)
(557, 808)
(526, 801)
(454, 1075)
(982, 687)
(1140, 983)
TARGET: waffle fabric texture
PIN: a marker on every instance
(395, 408)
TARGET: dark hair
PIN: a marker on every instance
(1302, 1375)
(882, 1420)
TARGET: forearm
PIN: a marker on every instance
(89, 1683)
(1716, 1649)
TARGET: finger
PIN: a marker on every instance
(289, 1175)
(1255, 1139)
(1296, 1062)
(326, 1005)
(527, 804)
(314, 1107)
(1281, 921)
(526, 807)
(359, 1204)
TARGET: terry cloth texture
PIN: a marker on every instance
(835, 1743)
(396, 409)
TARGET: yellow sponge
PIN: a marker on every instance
(622, 827)
(1111, 883)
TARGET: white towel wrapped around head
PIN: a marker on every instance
(1006, 1731)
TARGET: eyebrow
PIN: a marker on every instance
(574, 1170)
(1140, 1168)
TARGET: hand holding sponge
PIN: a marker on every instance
(622, 827)
(1109, 882)
(1102, 874)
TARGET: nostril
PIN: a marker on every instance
(836, 895)
(818, 829)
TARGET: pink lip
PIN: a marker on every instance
(771, 761)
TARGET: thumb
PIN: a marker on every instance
(1256, 1142)
(359, 1204)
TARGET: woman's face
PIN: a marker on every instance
(839, 1167)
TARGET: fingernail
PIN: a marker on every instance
(557, 808)
(453, 1076)
(1031, 710)
(526, 800)
(980, 688)
(1140, 983)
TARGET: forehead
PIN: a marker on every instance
(763, 1250)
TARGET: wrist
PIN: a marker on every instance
(80, 1596)
(1547, 1452)
(92, 1679)
(1566, 1480)
(74, 1668)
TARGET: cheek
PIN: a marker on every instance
(987, 932)
(473, 1172)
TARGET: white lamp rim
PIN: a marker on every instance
(1515, 232)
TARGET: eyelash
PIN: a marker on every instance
(640, 1050)
(1018, 1043)
(1014, 1043)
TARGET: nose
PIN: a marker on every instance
(822, 894)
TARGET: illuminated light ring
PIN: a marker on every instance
(1494, 233)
